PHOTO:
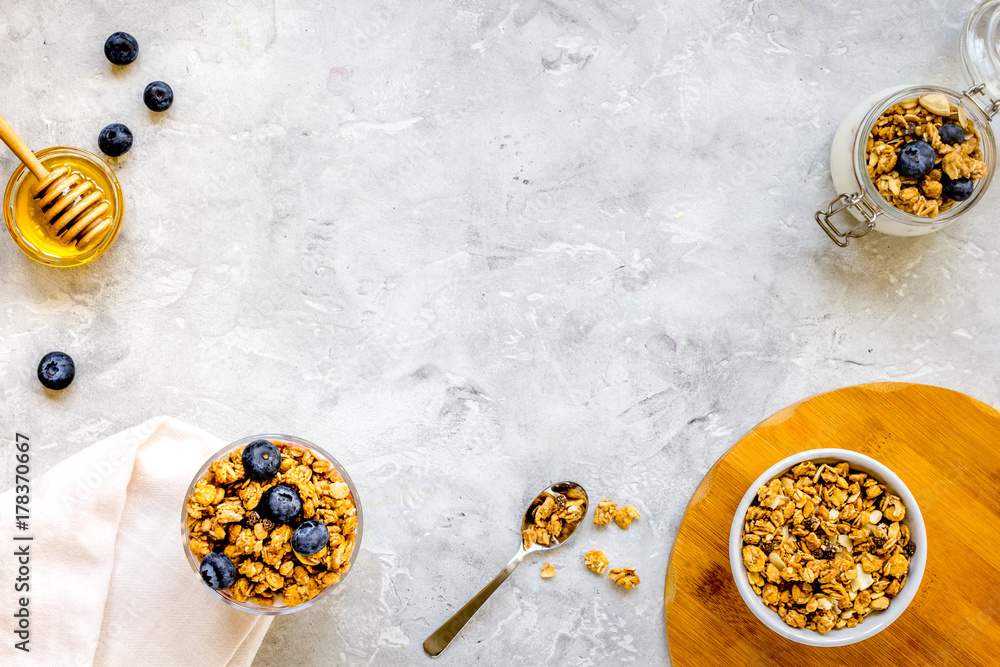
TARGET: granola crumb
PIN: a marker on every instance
(548, 571)
(624, 577)
(624, 516)
(596, 561)
(605, 512)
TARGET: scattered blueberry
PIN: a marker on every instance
(158, 96)
(959, 189)
(310, 537)
(121, 48)
(218, 571)
(916, 159)
(951, 134)
(280, 504)
(261, 460)
(56, 370)
(115, 140)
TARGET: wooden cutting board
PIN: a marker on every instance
(946, 448)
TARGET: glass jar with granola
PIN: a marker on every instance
(911, 160)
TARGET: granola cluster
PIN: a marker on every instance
(221, 518)
(554, 518)
(624, 577)
(824, 546)
(608, 510)
(596, 561)
(921, 120)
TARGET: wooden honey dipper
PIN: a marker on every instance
(72, 204)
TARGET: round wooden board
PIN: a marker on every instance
(943, 445)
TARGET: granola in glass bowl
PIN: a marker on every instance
(271, 523)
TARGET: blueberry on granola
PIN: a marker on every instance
(310, 537)
(218, 571)
(261, 460)
(958, 189)
(951, 133)
(280, 504)
(916, 159)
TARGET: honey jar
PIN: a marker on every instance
(24, 218)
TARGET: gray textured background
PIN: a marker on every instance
(445, 240)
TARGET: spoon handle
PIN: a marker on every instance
(443, 636)
(21, 150)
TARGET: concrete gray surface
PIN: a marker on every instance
(475, 247)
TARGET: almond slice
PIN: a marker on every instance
(936, 103)
(963, 120)
(863, 580)
(819, 471)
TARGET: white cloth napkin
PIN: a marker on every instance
(110, 584)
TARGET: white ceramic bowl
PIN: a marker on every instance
(876, 621)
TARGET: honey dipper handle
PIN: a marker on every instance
(21, 150)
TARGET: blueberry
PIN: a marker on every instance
(218, 571)
(959, 189)
(115, 140)
(158, 96)
(56, 370)
(310, 537)
(280, 504)
(916, 159)
(951, 133)
(261, 460)
(121, 48)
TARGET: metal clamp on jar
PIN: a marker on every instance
(850, 160)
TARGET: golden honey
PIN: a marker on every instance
(24, 218)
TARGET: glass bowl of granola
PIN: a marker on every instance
(828, 547)
(911, 160)
(271, 523)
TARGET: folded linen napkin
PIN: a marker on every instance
(109, 581)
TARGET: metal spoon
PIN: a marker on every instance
(443, 636)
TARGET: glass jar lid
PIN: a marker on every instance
(980, 47)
